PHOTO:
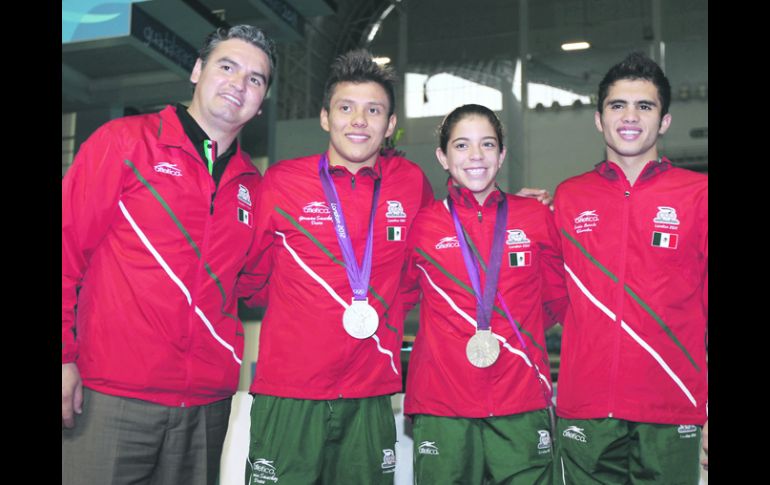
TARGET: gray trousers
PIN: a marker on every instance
(129, 441)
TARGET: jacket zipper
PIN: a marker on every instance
(210, 152)
(619, 294)
(480, 240)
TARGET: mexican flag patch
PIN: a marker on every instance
(664, 240)
(521, 258)
(244, 217)
(395, 233)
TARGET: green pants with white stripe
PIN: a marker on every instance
(513, 450)
(617, 452)
(304, 442)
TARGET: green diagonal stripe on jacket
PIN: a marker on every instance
(334, 259)
(635, 297)
(184, 232)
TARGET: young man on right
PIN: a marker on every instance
(633, 388)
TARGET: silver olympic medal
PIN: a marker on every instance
(360, 319)
(482, 349)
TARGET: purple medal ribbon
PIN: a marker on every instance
(485, 300)
(358, 276)
(547, 394)
(484, 307)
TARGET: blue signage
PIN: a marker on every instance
(95, 19)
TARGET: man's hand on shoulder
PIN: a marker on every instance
(541, 195)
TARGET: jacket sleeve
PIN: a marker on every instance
(409, 289)
(90, 193)
(705, 291)
(705, 251)
(554, 286)
(253, 281)
(410, 274)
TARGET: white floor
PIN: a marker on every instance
(233, 464)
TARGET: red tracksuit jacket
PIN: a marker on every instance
(304, 351)
(441, 381)
(155, 256)
(634, 341)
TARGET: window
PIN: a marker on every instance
(439, 94)
(67, 140)
(547, 95)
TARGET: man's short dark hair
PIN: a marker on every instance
(637, 66)
(357, 66)
(246, 33)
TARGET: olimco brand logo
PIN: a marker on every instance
(168, 168)
(586, 221)
(587, 216)
(263, 471)
(428, 448)
(575, 433)
(316, 207)
(448, 242)
(316, 213)
(687, 431)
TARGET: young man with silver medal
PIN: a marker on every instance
(329, 246)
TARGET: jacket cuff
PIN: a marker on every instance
(69, 354)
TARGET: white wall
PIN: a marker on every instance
(297, 138)
(562, 144)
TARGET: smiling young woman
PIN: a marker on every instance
(487, 267)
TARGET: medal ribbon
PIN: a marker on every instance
(485, 300)
(358, 276)
(547, 394)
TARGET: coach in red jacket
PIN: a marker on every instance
(632, 392)
(157, 220)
